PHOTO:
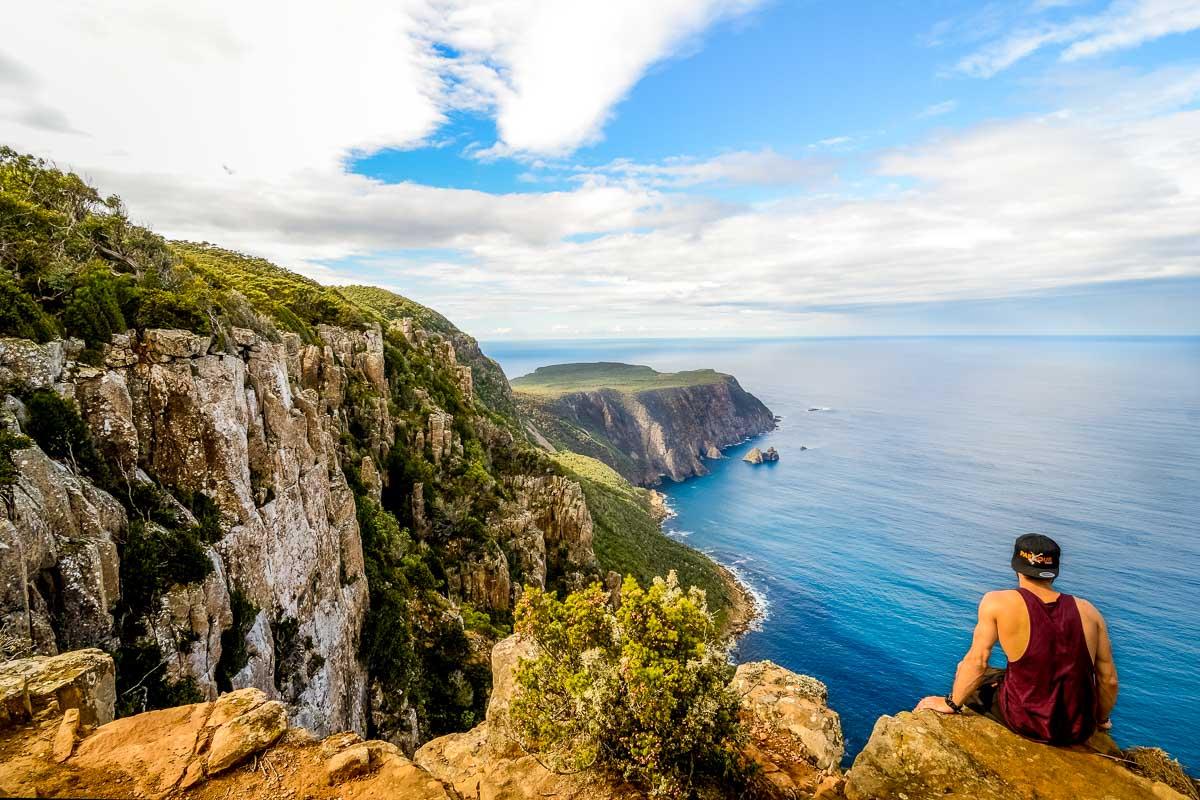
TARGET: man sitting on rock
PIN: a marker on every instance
(1061, 683)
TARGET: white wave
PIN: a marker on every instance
(668, 507)
(762, 605)
(679, 533)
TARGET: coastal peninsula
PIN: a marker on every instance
(647, 425)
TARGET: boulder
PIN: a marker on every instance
(784, 704)
(246, 734)
(82, 679)
(29, 364)
(926, 755)
(712, 453)
(234, 747)
(795, 737)
(349, 763)
(64, 737)
(167, 344)
(757, 456)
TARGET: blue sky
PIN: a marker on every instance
(539, 169)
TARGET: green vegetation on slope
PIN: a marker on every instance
(640, 692)
(392, 306)
(561, 379)
(628, 539)
(491, 386)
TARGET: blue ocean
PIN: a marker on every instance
(926, 457)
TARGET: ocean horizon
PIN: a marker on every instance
(926, 456)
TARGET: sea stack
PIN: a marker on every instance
(712, 454)
(757, 456)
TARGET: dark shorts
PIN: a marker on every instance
(986, 699)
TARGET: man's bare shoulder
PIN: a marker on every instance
(999, 599)
(1089, 611)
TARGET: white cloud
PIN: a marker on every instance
(1026, 205)
(231, 123)
(232, 120)
(272, 88)
(740, 168)
(553, 69)
(938, 109)
(264, 89)
(1123, 25)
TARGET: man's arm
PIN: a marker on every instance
(1106, 668)
(974, 664)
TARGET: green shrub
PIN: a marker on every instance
(234, 655)
(481, 622)
(641, 692)
(155, 557)
(22, 316)
(208, 515)
(9, 442)
(158, 308)
(142, 685)
(55, 424)
(94, 310)
(386, 646)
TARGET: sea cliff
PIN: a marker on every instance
(645, 424)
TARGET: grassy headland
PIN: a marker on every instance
(560, 379)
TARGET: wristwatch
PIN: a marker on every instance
(955, 707)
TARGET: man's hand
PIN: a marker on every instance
(1105, 726)
(935, 703)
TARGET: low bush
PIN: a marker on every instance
(641, 691)
(155, 557)
(9, 442)
(56, 426)
(142, 685)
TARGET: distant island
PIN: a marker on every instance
(645, 424)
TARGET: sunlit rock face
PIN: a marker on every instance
(659, 433)
(254, 425)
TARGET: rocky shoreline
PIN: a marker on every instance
(744, 610)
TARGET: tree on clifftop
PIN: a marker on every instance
(640, 691)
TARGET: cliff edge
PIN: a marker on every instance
(58, 738)
(647, 425)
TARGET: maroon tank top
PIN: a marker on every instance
(1049, 693)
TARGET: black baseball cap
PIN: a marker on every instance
(1036, 556)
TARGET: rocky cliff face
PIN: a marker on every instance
(262, 430)
(255, 429)
(651, 434)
